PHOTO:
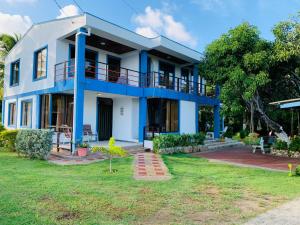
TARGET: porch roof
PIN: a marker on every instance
(288, 103)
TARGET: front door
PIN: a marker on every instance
(105, 110)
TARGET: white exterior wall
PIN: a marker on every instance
(90, 109)
(131, 61)
(18, 101)
(125, 127)
(187, 117)
(38, 37)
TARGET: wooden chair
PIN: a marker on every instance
(67, 131)
(87, 132)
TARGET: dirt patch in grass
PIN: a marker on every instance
(68, 215)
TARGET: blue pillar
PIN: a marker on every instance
(217, 118)
(143, 68)
(142, 117)
(78, 87)
(195, 76)
(38, 112)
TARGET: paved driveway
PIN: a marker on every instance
(244, 156)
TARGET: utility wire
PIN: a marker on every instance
(76, 3)
(60, 8)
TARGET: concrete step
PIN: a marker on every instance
(224, 145)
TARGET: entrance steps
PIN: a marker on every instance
(213, 144)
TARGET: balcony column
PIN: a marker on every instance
(3, 112)
(143, 100)
(78, 88)
(217, 118)
(143, 67)
(195, 76)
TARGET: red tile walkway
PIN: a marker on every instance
(149, 166)
(244, 156)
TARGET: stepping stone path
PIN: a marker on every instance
(149, 166)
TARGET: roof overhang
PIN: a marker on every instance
(286, 104)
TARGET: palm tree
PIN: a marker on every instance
(7, 42)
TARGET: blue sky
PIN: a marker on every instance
(194, 23)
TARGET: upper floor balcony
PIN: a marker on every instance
(114, 73)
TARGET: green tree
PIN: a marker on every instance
(7, 42)
(111, 151)
(240, 61)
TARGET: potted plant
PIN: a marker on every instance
(82, 149)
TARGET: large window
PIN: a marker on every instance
(163, 115)
(15, 73)
(40, 64)
(62, 110)
(45, 106)
(114, 68)
(12, 114)
(26, 112)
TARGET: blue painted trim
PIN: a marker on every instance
(143, 68)
(16, 116)
(195, 77)
(11, 73)
(3, 112)
(21, 122)
(97, 112)
(34, 78)
(69, 61)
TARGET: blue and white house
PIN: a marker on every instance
(84, 70)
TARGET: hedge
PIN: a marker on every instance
(8, 139)
(165, 141)
(34, 143)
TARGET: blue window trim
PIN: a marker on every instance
(28, 101)
(86, 49)
(11, 73)
(34, 78)
(16, 116)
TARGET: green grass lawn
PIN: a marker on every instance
(36, 192)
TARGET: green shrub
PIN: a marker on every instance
(252, 139)
(2, 128)
(297, 171)
(229, 133)
(295, 144)
(280, 145)
(164, 141)
(34, 143)
(8, 139)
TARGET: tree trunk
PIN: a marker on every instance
(251, 117)
(277, 128)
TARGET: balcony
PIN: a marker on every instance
(101, 71)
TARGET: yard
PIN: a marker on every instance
(36, 192)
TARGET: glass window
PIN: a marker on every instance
(166, 75)
(163, 115)
(15, 73)
(40, 63)
(26, 107)
(12, 114)
(45, 105)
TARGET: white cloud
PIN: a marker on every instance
(11, 24)
(68, 10)
(155, 21)
(20, 1)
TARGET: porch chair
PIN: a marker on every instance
(87, 132)
(67, 134)
(265, 144)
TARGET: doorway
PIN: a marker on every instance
(105, 116)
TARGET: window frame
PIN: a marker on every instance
(11, 84)
(9, 113)
(35, 63)
(21, 119)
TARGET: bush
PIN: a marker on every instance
(252, 139)
(35, 144)
(8, 139)
(243, 134)
(176, 140)
(229, 133)
(280, 145)
(297, 171)
(2, 128)
(295, 144)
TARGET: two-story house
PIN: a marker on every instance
(84, 70)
